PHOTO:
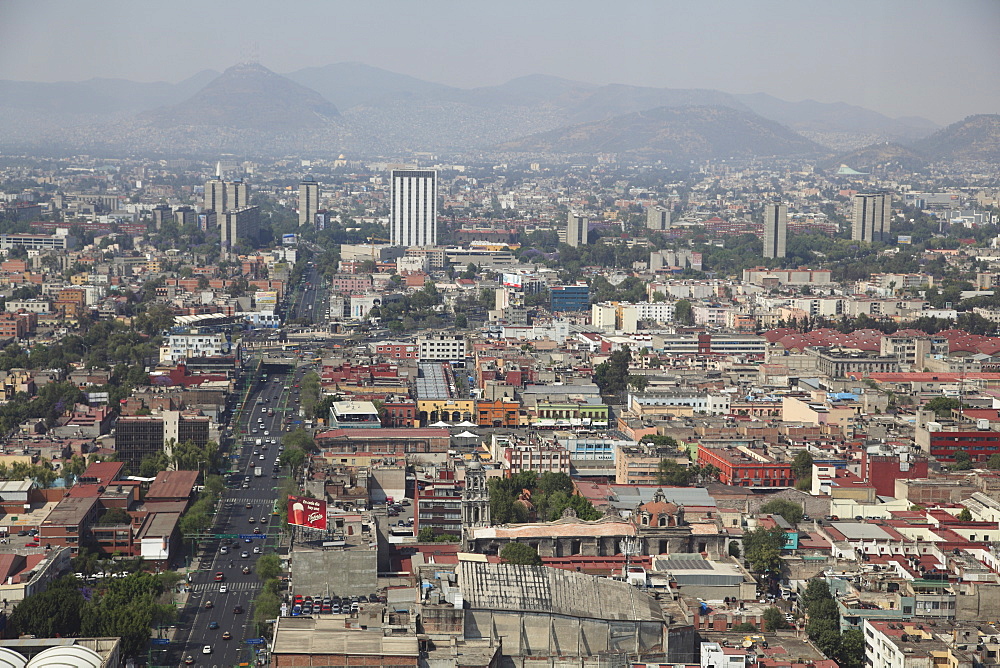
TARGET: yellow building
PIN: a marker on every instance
(818, 409)
(430, 411)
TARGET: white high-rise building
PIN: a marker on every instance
(413, 208)
(872, 217)
(215, 196)
(577, 230)
(658, 218)
(308, 202)
(775, 229)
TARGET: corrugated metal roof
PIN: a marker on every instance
(519, 588)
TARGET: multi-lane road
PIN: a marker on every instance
(311, 304)
(247, 504)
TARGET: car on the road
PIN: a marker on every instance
(227, 635)
(220, 576)
(223, 589)
(251, 520)
(248, 540)
(224, 549)
(249, 505)
(244, 554)
(207, 649)
(261, 458)
(213, 625)
(188, 660)
(263, 520)
(238, 610)
(256, 549)
(256, 531)
(209, 605)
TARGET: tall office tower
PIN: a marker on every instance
(872, 216)
(577, 228)
(237, 195)
(308, 202)
(658, 218)
(237, 225)
(413, 208)
(775, 229)
(215, 195)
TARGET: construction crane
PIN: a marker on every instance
(372, 240)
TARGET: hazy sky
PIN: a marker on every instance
(937, 59)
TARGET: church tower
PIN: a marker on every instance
(475, 497)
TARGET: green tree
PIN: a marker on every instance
(734, 549)
(114, 516)
(520, 553)
(965, 515)
(963, 462)
(993, 463)
(611, 376)
(774, 620)
(673, 474)
(683, 312)
(461, 321)
(52, 612)
(802, 465)
(762, 548)
(791, 511)
(851, 652)
(268, 567)
(942, 406)
(744, 627)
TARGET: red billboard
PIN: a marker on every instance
(309, 513)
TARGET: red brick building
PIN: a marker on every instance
(397, 350)
(746, 467)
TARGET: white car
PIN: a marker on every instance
(256, 549)
(223, 589)
(207, 649)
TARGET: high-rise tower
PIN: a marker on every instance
(413, 207)
(215, 195)
(658, 218)
(872, 216)
(308, 201)
(237, 195)
(775, 229)
(577, 230)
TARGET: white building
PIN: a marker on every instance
(714, 655)
(872, 217)
(194, 343)
(308, 202)
(442, 348)
(413, 207)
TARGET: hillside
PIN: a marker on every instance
(875, 156)
(976, 138)
(673, 134)
(248, 96)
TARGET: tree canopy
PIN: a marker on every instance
(789, 510)
(520, 553)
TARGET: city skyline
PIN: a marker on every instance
(819, 51)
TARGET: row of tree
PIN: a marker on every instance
(128, 608)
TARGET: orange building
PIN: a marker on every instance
(71, 302)
(498, 413)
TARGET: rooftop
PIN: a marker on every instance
(519, 588)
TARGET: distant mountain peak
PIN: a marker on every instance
(249, 95)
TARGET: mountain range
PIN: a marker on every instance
(355, 108)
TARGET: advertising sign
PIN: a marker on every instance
(512, 280)
(289, 239)
(309, 513)
(904, 239)
(266, 299)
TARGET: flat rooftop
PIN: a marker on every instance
(327, 635)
